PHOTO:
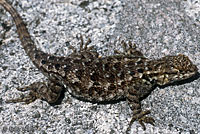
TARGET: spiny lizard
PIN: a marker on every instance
(126, 75)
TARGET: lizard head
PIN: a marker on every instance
(173, 68)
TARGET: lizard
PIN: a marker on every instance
(127, 75)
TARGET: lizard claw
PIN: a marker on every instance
(146, 119)
(26, 99)
(84, 45)
(141, 117)
(129, 49)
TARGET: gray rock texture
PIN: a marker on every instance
(158, 28)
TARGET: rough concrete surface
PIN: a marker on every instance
(158, 28)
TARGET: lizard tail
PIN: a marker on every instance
(22, 31)
(40, 59)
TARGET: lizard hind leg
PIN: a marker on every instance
(129, 49)
(39, 90)
(84, 51)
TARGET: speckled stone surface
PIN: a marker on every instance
(158, 29)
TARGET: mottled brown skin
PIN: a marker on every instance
(127, 75)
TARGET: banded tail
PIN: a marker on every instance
(36, 55)
(22, 31)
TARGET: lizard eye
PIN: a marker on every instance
(140, 70)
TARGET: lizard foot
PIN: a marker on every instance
(38, 90)
(84, 51)
(83, 45)
(142, 118)
(129, 49)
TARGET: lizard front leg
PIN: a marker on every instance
(39, 90)
(138, 114)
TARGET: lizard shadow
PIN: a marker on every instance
(62, 95)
